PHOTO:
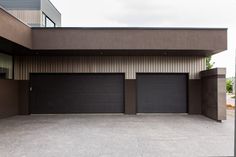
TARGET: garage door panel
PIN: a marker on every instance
(78, 93)
(162, 93)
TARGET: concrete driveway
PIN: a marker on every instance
(115, 136)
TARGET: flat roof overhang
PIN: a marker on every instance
(14, 30)
(23, 40)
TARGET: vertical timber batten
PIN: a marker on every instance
(130, 65)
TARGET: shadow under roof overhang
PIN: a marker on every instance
(12, 48)
(121, 52)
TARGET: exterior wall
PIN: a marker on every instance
(14, 30)
(129, 65)
(130, 96)
(20, 4)
(23, 101)
(31, 17)
(206, 40)
(14, 98)
(48, 8)
(194, 97)
(8, 98)
(6, 63)
(214, 93)
(31, 11)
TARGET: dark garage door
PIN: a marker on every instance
(76, 93)
(162, 93)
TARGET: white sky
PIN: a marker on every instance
(156, 13)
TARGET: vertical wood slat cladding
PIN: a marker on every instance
(130, 65)
(28, 16)
(21, 4)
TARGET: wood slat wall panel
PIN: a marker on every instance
(28, 16)
(129, 65)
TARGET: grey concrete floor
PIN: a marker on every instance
(115, 136)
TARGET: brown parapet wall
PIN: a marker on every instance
(210, 40)
(214, 93)
(14, 30)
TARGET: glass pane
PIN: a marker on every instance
(49, 23)
(6, 66)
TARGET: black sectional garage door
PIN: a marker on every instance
(162, 93)
(77, 93)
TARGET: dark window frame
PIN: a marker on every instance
(46, 18)
(4, 72)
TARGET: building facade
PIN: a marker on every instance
(36, 13)
(111, 70)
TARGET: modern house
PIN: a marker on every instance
(36, 13)
(110, 70)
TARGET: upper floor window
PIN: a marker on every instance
(47, 22)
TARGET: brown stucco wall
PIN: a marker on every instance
(8, 98)
(14, 30)
(214, 93)
(129, 38)
(23, 97)
(130, 96)
(194, 97)
(13, 98)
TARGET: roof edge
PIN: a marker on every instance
(137, 28)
